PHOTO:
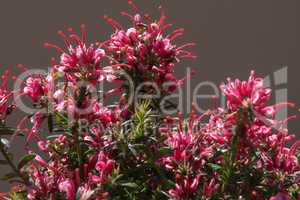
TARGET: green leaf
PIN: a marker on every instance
(89, 151)
(25, 160)
(215, 167)
(132, 149)
(131, 185)
(61, 120)
(18, 196)
(164, 151)
(115, 179)
(53, 136)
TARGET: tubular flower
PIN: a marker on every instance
(246, 93)
(185, 190)
(217, 130)
(247, 102)
(34, 88)
(37, 120)
(92, 149)
(182, 143)
(80, 62)
(252, 95)
(44, 180)
(104, 166)
(145, 49)
(191, 146)
(67, 186)
(4, 96)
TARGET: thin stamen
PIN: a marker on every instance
(185, 46)
(83, 32)
(21, 67)
(125, 14)
(133, 6)
(48, 45)
(112, 22)
(162, 16)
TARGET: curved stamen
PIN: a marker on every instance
(133, 6)
(162, 16)
(64, 37)
(48, 45)
(113, 23)
(125, 14)
(83, 32)
(185, 46)
(176, 33)
(77, 39)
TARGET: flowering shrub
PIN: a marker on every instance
(126, 150)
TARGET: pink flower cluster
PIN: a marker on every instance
(146, 52)
(89, 150)
(80, 61)
(256, 144)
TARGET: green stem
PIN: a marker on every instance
(230, 164)
(78, 147)
(81, 96)
(11, 164)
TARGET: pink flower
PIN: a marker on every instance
(5, 108)
(186, 189)
(104, 166)
(59, 95)
(217, 130)
(40, 161)
(80, 62)
(68, 187)
(247, 101)
(286, 159)
(147, 50)
(105, 115)
(34, 88)
(280, 196)
(37, 120)
(85, 192)
(182, 144)
(91, 154)
(189, 145)
(45, 179)
(210, 187)
(250, 93)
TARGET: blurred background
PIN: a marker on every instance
(232, 36)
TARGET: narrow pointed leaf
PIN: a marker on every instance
(25, 160)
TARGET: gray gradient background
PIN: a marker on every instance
(232, 36)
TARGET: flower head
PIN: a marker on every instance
(186, 188)
(104, 166)
(34, 88)
(67, 186)
(80, 62)
(246, 93)
(146, 51)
